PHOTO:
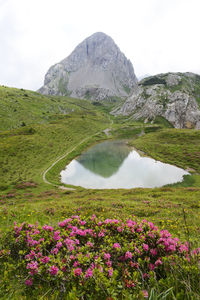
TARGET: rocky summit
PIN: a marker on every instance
(96, 70)
(173, 96)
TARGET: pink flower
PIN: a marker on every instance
(195, 251)
(130, 284)
(183, 247)
(142, 237)
(33, 267)
(89, 244)
(82, 223)
(93, 217)
(69, 243)
(76, 263)
(108, 263)
(110, 272)
(59, 245)
(128, 254)
(119, 229)
(32, 242)
(54, 251)
(153, 252)
(65, 222)
(106, 255)
(134, 265)
(101, 234)
(92, 266)
(151, 225)
(53, 270)
(19, 229)
(32, 254)
(131, 223)
(36, 231)
(70, 248)
(47, 228)
(145, 294)
(39, 254)
(165, 233)
(56, 236)
(151, 234)
(172, 248)
(116, 221)
(158, 262)
(89, 273)
(139, 229)
(151, 267)
(137, 250)
(75, 217)
(187, 257)
(145, 247)
(29, 282)
(100, 268)
(45, 259)
(77, 271)
(116, 245)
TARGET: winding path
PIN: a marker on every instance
(67, 153)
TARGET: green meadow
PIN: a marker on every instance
(36, 130)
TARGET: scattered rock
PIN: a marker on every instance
(172, 96)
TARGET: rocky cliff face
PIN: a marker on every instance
(173, 96)
(96, 69)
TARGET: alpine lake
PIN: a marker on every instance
(114, 165)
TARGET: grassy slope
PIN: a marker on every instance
(25, 155)
(23, 106)
(27, 151)
(53, 126)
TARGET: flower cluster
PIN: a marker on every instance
(85, 249)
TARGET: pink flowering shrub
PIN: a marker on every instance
(95, 255)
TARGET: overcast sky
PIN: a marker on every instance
(156, 35)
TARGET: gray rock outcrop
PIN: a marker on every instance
(173, 96)
(96, 69)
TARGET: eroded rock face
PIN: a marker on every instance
(173, 96)
(96, 69)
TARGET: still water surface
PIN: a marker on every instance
(113, 164)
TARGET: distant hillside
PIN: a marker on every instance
(173, 96)
(96, 69)
(20, 107)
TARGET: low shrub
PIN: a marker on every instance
(89, 258)
(24, 185)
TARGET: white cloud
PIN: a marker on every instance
(157, 35)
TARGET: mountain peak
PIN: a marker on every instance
(99, 34)
(96, 69)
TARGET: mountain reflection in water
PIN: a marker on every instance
(113, 164)
(105, 158)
